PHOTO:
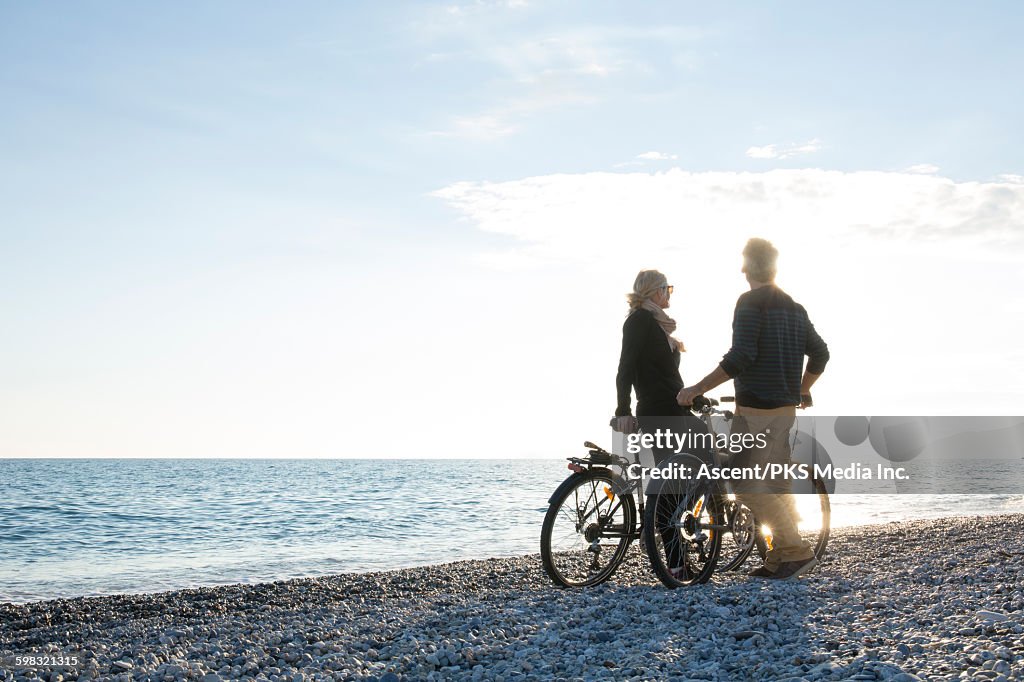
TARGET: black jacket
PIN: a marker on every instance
(648, 365)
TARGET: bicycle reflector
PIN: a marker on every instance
(609, 493)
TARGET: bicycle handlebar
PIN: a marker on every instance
(700, 402)
(706, 406)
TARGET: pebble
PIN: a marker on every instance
(883, 605)
(992, 616)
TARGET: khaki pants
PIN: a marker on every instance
(771, 501)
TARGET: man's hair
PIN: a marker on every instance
(759, 257)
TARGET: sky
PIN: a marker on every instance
(406, 229)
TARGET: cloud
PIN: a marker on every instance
(922, 169)
(551, 70)
(484, 127)
(509, 117)
(588, 51)
(483, 5)
(786, 151)
(766, 152)
(880, 256)
(657, 156)
(539, 75)
(886, 261)
(585, 218)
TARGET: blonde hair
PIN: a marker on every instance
(647, 282)
(759, 259)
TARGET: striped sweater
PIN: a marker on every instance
(771, 334)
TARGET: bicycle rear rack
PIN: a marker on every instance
(596, 456)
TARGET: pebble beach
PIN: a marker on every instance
(919, 600)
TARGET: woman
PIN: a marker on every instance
(650, 354)
(649, 363)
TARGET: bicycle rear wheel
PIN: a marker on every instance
(739, 540)
(682, 529)
(815, 522)
(587, 529)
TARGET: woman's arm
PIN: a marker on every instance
(634, 333)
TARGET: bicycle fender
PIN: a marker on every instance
(807, 450)
(684, 467)
(620, 484)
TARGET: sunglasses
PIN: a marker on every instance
(668, 288)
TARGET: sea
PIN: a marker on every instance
(86, 527)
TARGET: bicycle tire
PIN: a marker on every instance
(739, 541)
(818, 540)
(570, 538)
(676, 522)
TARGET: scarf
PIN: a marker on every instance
(668, 325)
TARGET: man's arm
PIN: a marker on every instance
(717, 377)
(817, 352)
(805, 389)
(746, 327)
(807, 382)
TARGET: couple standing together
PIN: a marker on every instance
(771, 335)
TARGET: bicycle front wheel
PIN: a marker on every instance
(683, 528)
(587, 529)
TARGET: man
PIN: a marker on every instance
(771, 334)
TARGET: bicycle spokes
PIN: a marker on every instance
(684, 537)
(587, 530)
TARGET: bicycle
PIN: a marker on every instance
(594, 515)
(683, 530)
(590, 522)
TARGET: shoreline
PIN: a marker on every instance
(166, 585)
(852, 528)
(927, 598)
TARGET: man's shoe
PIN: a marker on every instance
(762, 572)
(794, 569)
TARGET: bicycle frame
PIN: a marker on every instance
(601, 457)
